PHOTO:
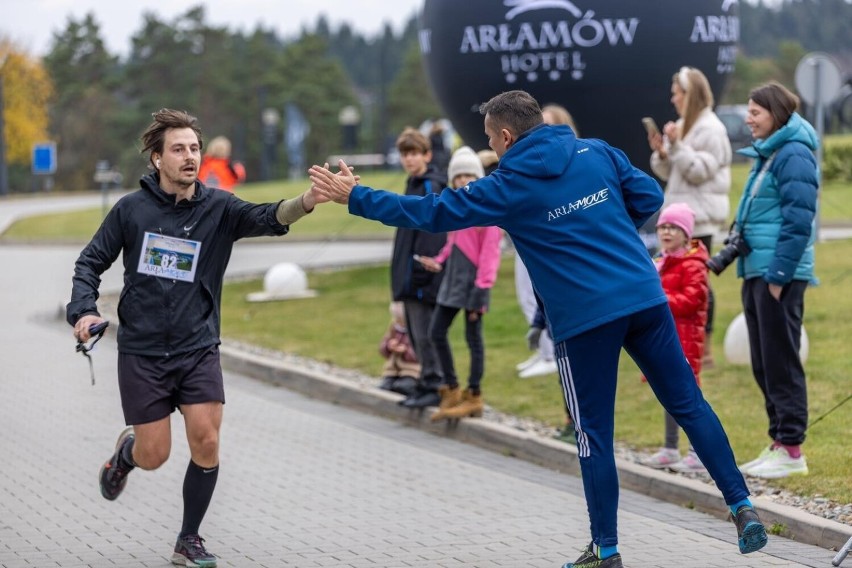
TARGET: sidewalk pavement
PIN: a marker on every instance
(303, 483)
(692, 493)
(306, 483)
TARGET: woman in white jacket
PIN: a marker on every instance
(693, 157)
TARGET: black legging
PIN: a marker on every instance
(439, 328)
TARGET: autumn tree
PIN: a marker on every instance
(27, 90)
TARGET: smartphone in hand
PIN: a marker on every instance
(428, 263)
(650, 125)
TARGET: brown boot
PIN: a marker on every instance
(471, 405)
(450, 397)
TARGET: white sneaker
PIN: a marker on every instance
(756, 462)
(529, 362)
(664, 458)
(540, 367)
(689, 464)
(779, 464)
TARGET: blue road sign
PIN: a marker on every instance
(44, 158)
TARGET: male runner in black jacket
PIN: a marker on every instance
(175, 236)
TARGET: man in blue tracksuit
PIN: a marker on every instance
(572, 206)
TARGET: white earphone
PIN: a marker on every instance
(158, 164)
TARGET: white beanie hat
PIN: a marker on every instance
(465, 161)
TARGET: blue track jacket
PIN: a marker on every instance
(571, 206)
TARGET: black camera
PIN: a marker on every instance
(735, 245)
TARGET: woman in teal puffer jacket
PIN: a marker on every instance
(776, 218)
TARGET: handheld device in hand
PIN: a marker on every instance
(650, 125)
(97, 331)
(417, 257)
(98, 328)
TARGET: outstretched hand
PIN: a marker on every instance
(331, 186)
(314, 197)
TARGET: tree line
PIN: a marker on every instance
(94, 104)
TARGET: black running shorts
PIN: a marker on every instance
(152, 387)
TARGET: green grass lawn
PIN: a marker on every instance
(344, 324)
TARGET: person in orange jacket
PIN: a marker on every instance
(217, 170)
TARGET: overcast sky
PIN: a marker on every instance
(31, 23)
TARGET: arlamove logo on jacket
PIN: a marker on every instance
(583, 203)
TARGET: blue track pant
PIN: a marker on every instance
(588, 370)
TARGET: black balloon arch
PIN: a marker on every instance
(609, 62)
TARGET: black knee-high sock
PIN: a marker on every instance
(198, 486)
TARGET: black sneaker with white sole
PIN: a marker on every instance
(113, 477)
(190, 551)
(590, 560)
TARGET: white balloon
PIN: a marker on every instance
(736, 344)
(281, 282)
(285, 279)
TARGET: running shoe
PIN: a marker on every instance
(528, 362)
(113, 477)
(778, 464)
(589, 560)
(689, 464)
(750, 531)
(755, 462)
(190, 551)
(539, 368)
(664, 458)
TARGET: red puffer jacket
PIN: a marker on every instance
(684, 280)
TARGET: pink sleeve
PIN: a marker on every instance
(444, 253)
(489, 257)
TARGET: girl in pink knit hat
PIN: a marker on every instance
(680, 263)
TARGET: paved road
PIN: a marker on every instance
(37, 204)
(302, 483)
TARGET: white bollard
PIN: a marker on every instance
(282, 282)
(736, 345)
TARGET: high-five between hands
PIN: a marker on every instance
(335, 187)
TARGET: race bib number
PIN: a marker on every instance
(169, 257)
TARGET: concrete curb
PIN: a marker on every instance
(785, 520)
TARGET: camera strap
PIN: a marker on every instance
(755, 186)
(758, 181)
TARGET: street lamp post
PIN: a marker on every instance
(269, 118)
(349, 119)
(4, 173)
